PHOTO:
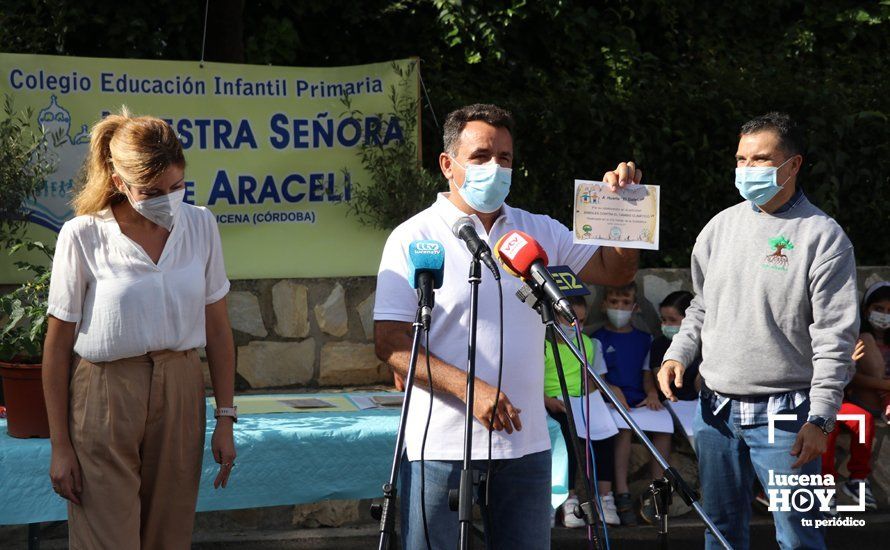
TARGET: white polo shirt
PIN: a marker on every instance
(125, 305)
(523, 378)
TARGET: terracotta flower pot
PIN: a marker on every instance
(25, 407)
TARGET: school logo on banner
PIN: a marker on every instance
(66, 149)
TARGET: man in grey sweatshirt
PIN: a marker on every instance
(775, 315)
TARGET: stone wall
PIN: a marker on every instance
(315, 333)
(304, 333)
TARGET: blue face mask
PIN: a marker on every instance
(758, 183)
(486, 186)
(670, 331)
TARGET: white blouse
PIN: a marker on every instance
(125, 305)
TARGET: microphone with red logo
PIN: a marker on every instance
(523, 257)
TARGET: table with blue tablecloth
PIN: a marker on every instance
(283, 459)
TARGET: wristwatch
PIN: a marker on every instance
(823, 423)
(227, 411)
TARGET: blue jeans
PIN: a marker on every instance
(729, 456)
(518, 515)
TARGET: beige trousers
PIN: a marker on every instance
(137, 426)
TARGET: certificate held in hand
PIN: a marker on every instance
(627, 218)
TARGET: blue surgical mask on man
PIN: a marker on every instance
(758, 183)
(486, 186)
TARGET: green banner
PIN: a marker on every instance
(272, 151)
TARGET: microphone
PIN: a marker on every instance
(426, 263)
(464, 230)
(524, 257)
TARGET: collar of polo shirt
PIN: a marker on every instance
(451, 213)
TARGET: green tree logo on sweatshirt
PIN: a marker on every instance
(778, 260)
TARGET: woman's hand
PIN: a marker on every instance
(223, 446)
(64, 471)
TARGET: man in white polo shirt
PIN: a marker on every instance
(477, 163)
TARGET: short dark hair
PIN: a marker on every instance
(678, 300)
(628, 289)
(790, 135)
(578, 300)
(486, 112)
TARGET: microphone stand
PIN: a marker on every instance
(585, 510)
(672, 479)
(465, 492)
(385, 512)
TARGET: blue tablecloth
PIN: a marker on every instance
(282, 459)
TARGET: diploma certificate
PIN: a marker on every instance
(628, 218)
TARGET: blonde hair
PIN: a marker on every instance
(138, 148)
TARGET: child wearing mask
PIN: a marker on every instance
(626, 352)
(602, 427)
(866, 394)
(875, 334)
(673, 310)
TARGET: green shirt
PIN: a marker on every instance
(570, 365)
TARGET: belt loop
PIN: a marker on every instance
(706, 392)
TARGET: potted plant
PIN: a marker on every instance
(21, 347)
(24, 163)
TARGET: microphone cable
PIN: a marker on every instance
(600, 512)
(497, 395)
(585, 417)
(426, 429)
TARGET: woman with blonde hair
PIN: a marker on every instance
(138, 283)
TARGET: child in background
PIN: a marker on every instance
(673, 311)
(875, 333)
(865, 395)
(626, 351)
(602, 428)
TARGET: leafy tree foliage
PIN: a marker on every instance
(664, 82)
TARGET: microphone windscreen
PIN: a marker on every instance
(517, 251)
(460, 224)
(426, 256)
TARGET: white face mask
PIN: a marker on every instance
(619, 317)
(880, 321)
(161, 210)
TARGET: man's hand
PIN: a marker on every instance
(809, 445)
(625, 174)
(505, 418)
(652, 402)
(554, 405)
(670, 371)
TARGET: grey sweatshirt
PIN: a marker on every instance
(775, 305)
